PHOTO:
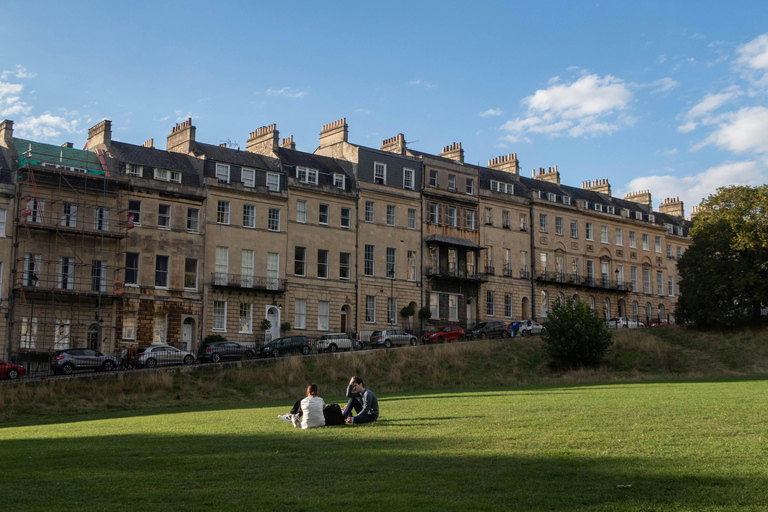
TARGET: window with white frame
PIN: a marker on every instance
(645, 242)
(175, 176)
(322, 264)
(610, 209)
(370, 309)
(369, 213)
(222, 212)
(323, 214)
(301, 211)
(219, 316)
(391, 262)
(408, 178)
(249, 216)
(101, 219)
(574, 229)
(160, 334)
(300, 261)
(306, 175)
(434, 216)
(558, 225)
(411, 265)
(273, 270)
(490, 308)
(380, 173)
(391, 310)
(659, 283)
(543, 222)
(470, 190)
(247, 259)
(344, 266)
(646, 280)
(66, 273)
(452, 182)
(619, 236)
(508, 305)
(411, 218)
(36, 208)
(68, 216)
(368, 263)
(391, 215)
(633, 274)
(32, 268)
(566, 200)
(598, 207)
(222, 266)
(222, 172)
(164, 216)
(339, 181)
(658, 244)
(504, 188)
(273, 182)
(28, 333)
(129, 325)
(162, 174)
(190, 274)
(434, 304)
(453, 307)
(323, 315)
(133, 169)
(671, 286)
(248, 177)
(162, 268)
(679, 252)
(604, 234)
(505, 219)
(489, 216)
(193, 220)
(433, 178)
(246, 318)
(544, 304)
(523, 222)
(98, 276)
(452, 220)
(632, 240)
(345, 218)
(589, 231)
(651, 218)
(300, 314)
(131, 269)
(134, 208)
(470, 223)
(273, 221)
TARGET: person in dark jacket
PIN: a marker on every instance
(362, 401)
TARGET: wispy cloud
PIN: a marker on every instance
(11, 104)
(701, 112)
(19, 72)
(421, 83)
(663, 85)
(490, 112)
(45, 126)
(363, 111)
(286, 92)
(672, 151)
(753, 60)
(590, 106)
(743, 131)
(181, 116)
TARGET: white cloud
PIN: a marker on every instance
(286, 92)
(491, 112)
(45, 126)
(664, 84)
(712, 102)
(661, 60)
(20, 72)
(743, 131)
(420, 82)
(181, 116)
(687, 127)
(753, 59)
(363, 111)
(10, 100)
(589, 106)
(672, 151)
(692, 189)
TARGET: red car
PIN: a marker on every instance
(444, 333)
(10, 371)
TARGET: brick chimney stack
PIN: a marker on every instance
(6, 133)
(640, 197)
(508, 163)
(334, 133)
(149, 144)
(101, 134)
(600, 186)
(264, 141)
(288, 143)
(673, 207)
(694, 211)
(395, 144)
(453, 152)
(182, 138)
(551, 175)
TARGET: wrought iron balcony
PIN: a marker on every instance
(246, 282)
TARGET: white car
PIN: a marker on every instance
(334, 342)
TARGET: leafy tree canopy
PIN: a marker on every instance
(574, 335)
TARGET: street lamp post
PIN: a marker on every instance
(392, 294)
(618, 291)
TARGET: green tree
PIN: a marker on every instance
(724, 273)
(574, 336)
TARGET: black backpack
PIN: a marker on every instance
(333, 416)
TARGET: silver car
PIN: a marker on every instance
(161, 355)
(72, 359)
(389, 337)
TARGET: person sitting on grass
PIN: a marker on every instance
(307, 412)
(367, 411)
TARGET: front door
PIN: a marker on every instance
(186, 334)
(343, 320)
(273, 315)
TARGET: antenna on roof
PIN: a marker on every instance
(231, 144)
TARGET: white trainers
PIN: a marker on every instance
(296, 420)
(285, 417)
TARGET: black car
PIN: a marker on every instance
(488, 330)
(223, 350)
(287, 345)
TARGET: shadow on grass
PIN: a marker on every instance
(337, 468)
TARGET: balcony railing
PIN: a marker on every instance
(452, 273)
(489, 269)
(585, 280)
(246, 282)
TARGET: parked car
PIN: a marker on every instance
(653, 322)
(72, 359)
(536, 328)
(285, 346)
(444, 333)
(485, 330)
(334, 342)
(389, 337)
(219, 350)
(619, 322)
(161, 355)
(10, 371)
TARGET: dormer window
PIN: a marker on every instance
(222, 172)
(248, 177)
(305, 175)
(598, 207)
(610, 209)
(408, 178)
(639, 215)
(625, 212)
(567, 200)
(669, 227)
(339, 180)
(552, 197)
(380, 173)
(679, 230)
(651, 218)
(133, 169)
(504, 188)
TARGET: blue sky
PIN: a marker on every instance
(666, 96)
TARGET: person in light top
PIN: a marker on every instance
(307, 412)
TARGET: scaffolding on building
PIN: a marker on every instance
(69, 237)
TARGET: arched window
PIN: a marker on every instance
(607, 308)
(562, 299)
(662, 314)
(592, 303)
(648, 310)
(544, 304)
(635, 309)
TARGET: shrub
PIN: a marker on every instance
(213, 338)
(285, 326)
(407, 311)
(425, 313)
(574, 336)
(265, 325)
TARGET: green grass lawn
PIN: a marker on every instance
(693, 445)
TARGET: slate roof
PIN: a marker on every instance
(5, 167)
(151, 158)
(48, 153)
(452, 240)
(235, 157)
(325, 165)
